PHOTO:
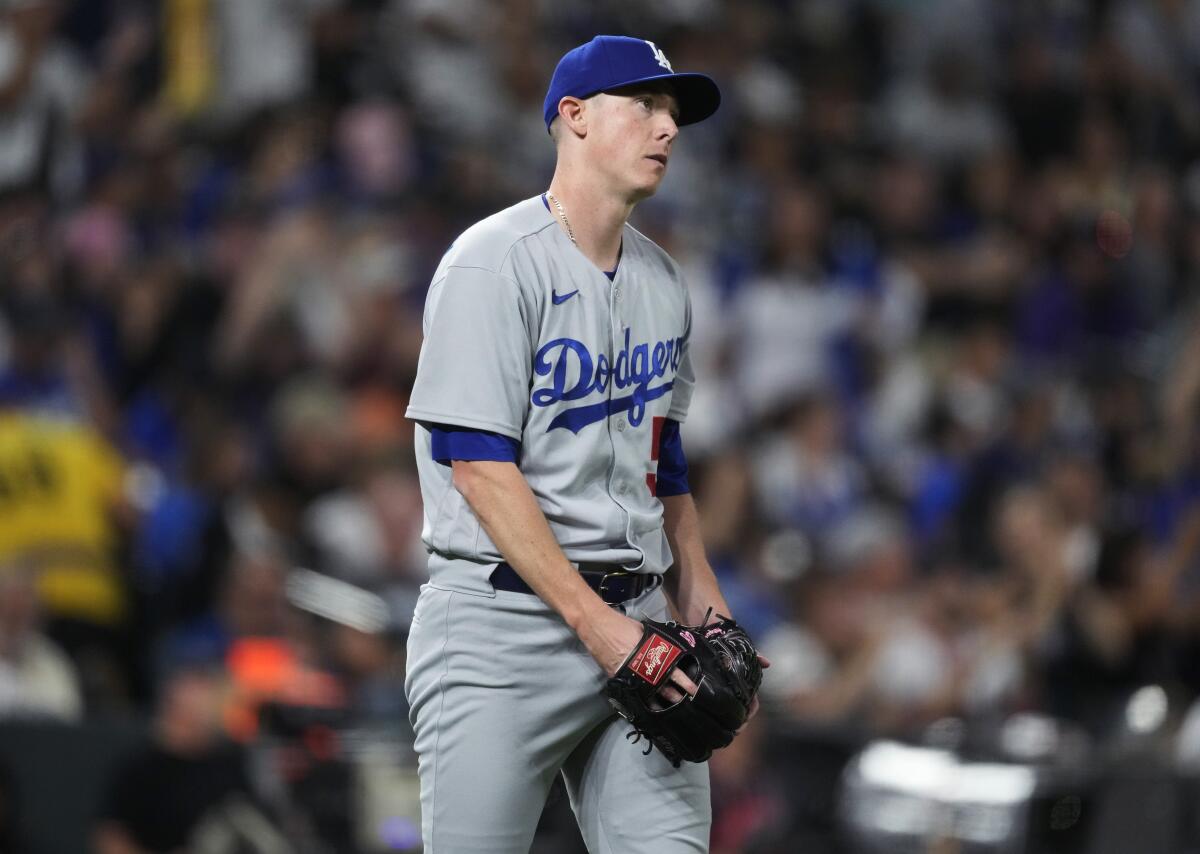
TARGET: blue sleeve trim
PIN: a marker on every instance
(463, 443)
(672, 465)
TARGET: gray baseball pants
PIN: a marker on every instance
(503, 697)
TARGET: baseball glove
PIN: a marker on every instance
(717, 656)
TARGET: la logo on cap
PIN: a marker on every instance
(659, 56)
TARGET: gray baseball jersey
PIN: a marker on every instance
(525, 337)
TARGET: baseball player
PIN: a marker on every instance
(552, 381)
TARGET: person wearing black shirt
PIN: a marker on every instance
(163, 793)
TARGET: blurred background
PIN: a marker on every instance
(944, 257)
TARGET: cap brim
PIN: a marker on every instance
(697, 94)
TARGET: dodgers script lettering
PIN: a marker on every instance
(635, 368)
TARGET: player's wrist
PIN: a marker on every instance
(694, 612)
(703, 599)
(609, 636)
(587, 613)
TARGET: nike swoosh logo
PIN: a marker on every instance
(559, 300)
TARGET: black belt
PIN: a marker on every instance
(612, 584)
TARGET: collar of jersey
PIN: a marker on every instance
(611, 275)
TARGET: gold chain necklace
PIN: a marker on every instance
(563, 215)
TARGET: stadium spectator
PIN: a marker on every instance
(42, 87)
(37, 680)
(64, 514)
(187, 784)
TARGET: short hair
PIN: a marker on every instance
(555, 130)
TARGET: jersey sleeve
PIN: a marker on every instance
(447, 444)
(685, 376)
(475, 361)
(672, 477)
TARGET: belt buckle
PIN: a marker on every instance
(602, 588)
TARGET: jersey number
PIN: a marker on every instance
(656, 427)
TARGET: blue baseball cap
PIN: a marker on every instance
(610, 62)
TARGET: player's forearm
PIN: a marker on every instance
(501, 499)
(690, 584)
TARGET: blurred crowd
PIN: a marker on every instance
(943, 257)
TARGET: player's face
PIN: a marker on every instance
(633, 137)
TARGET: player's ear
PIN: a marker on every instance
(572, 114)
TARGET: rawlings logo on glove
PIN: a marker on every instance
(653, 658)
(719, 657)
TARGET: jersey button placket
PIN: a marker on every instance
(617, 486)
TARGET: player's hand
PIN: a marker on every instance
(610, 636)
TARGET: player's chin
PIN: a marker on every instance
(649, 183)
(656, 169)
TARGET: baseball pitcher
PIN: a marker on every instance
(571, 623)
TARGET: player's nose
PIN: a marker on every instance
(668, 129)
